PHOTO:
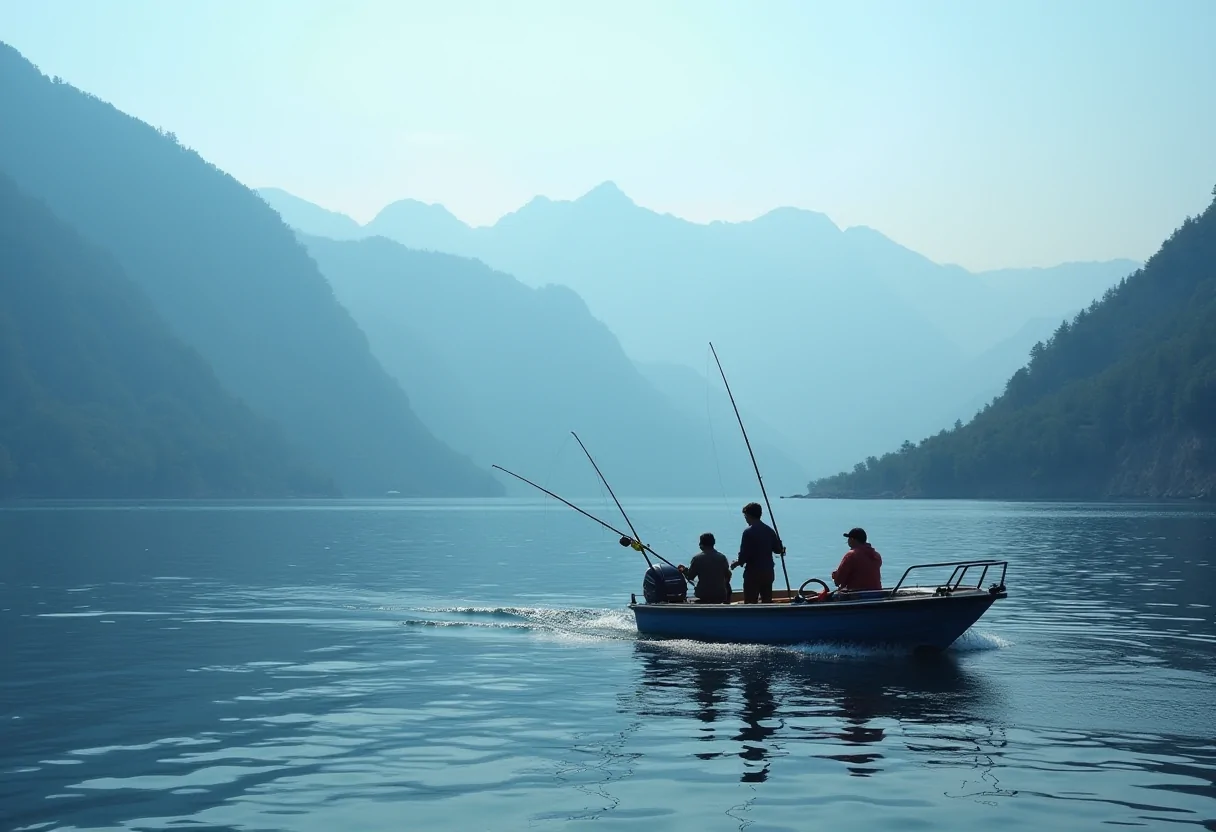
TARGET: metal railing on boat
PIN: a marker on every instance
(959, 573)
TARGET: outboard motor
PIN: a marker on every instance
(664, 584)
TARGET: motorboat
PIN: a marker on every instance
(917, 612)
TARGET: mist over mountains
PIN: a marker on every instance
(299, 352)
(504, 372)
(229, 280)
(845, 342)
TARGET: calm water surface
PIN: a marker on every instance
(471, 665)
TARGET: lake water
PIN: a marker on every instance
(472, 665)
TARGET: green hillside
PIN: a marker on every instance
(1120, 402)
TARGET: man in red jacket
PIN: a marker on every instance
(860, 568)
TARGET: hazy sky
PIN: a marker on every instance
(980, 132)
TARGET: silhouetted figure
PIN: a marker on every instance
(756, 550)
(711, 570)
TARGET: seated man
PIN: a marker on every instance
(861, 566)
(711, 570)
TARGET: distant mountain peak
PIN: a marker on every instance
(788, 218)
(866, 231)
(606, 193)
(415, 208)
(420, 225)
(605, 200)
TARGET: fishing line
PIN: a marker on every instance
(625, 540)
(548, 478)
(713, 443)
(763, 491)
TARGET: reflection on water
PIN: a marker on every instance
(759, 703)
(875, 714)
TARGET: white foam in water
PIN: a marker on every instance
(819, 651)
(974, 641)
(584, 623)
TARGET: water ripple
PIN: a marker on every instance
(310, 670)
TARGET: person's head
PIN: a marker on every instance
(752, 513)
(707, 541)
(856, 536)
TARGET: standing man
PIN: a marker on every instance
(756, 551)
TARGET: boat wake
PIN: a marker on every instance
(589, 624)
(586, 623)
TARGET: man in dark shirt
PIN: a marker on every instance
(711, 570)
(756, 551)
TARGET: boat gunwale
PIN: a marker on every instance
(970, 594)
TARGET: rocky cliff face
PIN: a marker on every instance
(1176, 466)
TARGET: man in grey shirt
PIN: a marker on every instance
(711, 570)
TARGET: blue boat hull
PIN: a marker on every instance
(926, 621)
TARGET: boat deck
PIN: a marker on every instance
(951, 586)
(783, 597)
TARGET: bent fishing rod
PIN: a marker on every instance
(626, 540)
(604, 480)
(751, 453)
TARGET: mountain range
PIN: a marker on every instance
(505, 371)
(229, 280)
(215, 340)
(844, 342)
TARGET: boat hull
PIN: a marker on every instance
(929, 622)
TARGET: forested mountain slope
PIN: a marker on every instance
(807, 309)
(98, 399)
(229, 278)
(1120, 402)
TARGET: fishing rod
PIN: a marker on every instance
(604, 480)
(626, 540)
(759, 478)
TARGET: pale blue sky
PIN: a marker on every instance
(984, 133)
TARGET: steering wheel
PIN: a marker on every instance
(802, 598)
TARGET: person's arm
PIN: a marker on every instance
(742, 559)
(691, 572)
(843, 572)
